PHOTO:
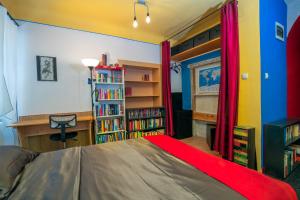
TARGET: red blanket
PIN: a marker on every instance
(247, 182)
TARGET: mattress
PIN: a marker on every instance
(131, 169)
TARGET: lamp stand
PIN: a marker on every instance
(92, 92)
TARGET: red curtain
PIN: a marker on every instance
(166, 86)
(228, 94)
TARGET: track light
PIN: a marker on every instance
(148, 19)
(135, 23)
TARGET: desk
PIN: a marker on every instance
(30, 127)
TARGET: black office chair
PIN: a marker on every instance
(63, 122)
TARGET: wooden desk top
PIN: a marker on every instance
(43, 120)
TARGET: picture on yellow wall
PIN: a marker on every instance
(209, 80)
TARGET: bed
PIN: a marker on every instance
(155, 167)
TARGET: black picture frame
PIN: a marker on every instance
(46, 68)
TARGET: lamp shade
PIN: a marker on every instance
(90, 62)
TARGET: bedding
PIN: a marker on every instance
(12, 161)
(133, 169)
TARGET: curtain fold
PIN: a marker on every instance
(229, 83)
(8, 78)
(5, 104)
(166, 86)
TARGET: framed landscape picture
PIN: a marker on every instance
(208, 82)
(46, 68)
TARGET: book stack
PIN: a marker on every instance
(291, 133)
(109, 93)
(110, 125)
(100, 139)
(109, 109)
(138, 134)
(145, 113)
(109, 77)
(145, 124)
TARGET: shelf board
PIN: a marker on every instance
(98, 83)
(138, 118)
(97, 102)
(137, 81)
(141, 96)
(198, 50)
(110, 132)
(138, 65)
(148, 129)
(109, 116)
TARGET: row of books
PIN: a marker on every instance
(137, 125)
(144, 113)
(109, 93)
(109, 77)
(100, 139)
(109, 109)
(291, 132)
(240, 146)
(109, 125)
(138, 134)
(291, 158)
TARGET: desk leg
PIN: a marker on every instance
(90, 133)
(23, 139)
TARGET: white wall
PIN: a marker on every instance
(70, 93)
(176, 85)
(293, 12)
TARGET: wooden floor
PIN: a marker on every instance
(199, 143)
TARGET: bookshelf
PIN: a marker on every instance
(109, 104)
(281, 147)
(145, 121)
(142, 84)
(244, 146)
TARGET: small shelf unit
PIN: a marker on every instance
(280, 155)
(109, 104)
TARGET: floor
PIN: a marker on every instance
(294, 180)
(200, 143)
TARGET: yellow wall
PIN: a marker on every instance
(249, 107)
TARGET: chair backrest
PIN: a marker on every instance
(65, 121)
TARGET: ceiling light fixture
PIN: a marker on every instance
(148, 19)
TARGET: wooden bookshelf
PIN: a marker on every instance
(144, 93)
(198, 50)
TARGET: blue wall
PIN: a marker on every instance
(273, 61)
(186, 77)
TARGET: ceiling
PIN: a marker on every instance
(113, 17)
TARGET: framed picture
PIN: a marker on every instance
(208, 80)
(46, 68)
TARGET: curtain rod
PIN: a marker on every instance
(201, 19)
(16, 23)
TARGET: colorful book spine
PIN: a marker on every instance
(118, 136)
(109, 77)
(291, 133)
(109, 125)
(137, 125)
(109, 109)
(138, 134)
(109, 93)
(145, 113)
